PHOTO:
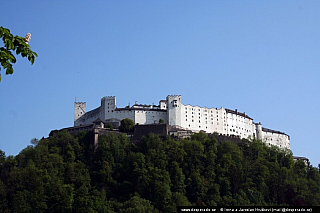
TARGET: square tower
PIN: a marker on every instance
(174, 110)
(79, 110)
(108, 105)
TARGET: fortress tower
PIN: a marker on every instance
(108, 105)
(259, 131)
(174, 110)
(79, 110)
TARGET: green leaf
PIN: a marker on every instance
(18, 51)
(9, 70)
(32, 59)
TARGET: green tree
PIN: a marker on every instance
(127, 125)
(3, 197)
(136, 204)
(13, 43)
(110, 126)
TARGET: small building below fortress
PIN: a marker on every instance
(177, 115)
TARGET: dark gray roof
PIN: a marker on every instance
(273, 131)
(238, 113)
(146, 109)
(300, 158)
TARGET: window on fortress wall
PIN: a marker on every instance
(192, 120)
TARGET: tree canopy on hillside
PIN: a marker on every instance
(127, 125)
(63, 173)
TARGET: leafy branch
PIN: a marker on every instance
(16, 44)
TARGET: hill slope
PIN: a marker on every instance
(62, 174)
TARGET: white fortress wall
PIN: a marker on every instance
(176, 114)
(239, 124)
(140, 117)
(120, 114)
(276, 138)
(89, 117)
(153, 117)
(197, 118)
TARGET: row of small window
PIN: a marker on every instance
(139, 111)
(236, 127)
(199, 126)
(237, 120)
(200, 122)
(200, 117)
(200, 110)
(206, 127)
(200, 113)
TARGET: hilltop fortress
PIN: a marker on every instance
(172, 112)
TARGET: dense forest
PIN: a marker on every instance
(64, 173)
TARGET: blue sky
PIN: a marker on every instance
(260, 57)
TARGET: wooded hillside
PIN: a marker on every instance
(63, 174)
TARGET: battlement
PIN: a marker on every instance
(174, 96)
(108, 98)
(80, 102)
